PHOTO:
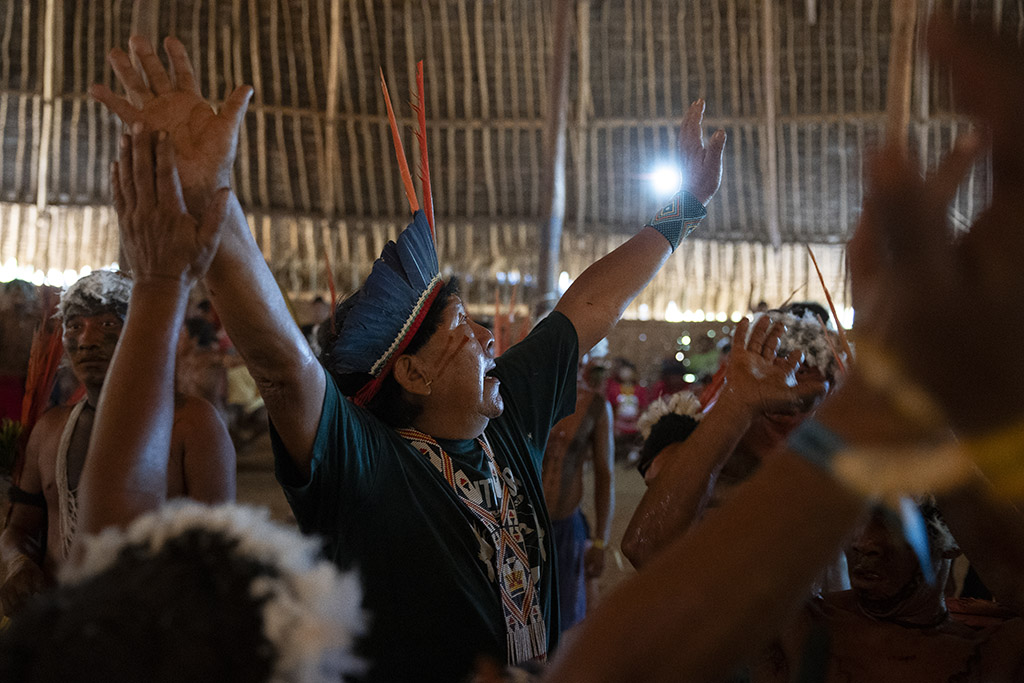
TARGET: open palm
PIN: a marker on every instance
(205, 141)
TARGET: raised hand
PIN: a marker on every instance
(701, 164)
(766, 383)
(205, 140)
(161, 240)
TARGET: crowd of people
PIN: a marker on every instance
(437, 487)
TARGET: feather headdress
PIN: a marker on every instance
(389, 308)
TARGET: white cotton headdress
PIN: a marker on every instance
(311, 612)
(100, 289)
(681, 403)
(804, 333)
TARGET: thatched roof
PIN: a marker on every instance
(800, 97)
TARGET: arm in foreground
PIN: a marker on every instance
(23, 541)
(125, 473)
(240, 283)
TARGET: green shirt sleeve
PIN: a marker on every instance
(343, 466)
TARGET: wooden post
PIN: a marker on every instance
(770, 150)
(555, 124)
(901, 60)
(146, 21)
(812, 12)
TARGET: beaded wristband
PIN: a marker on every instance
(883, 473)
(678, 218)
(819, 445)
(816, 443)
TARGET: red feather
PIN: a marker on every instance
(44, 359)
(832, 306)
(421, 114)
(403, 164)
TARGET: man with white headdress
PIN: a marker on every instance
(44, 503)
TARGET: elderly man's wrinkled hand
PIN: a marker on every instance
(205, 140)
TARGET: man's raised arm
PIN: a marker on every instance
(240, 283)
(598, 297)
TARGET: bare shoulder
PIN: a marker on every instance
(191, 412)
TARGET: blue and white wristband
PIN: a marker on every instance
(678, 218)
(819, 445)
(816, 443)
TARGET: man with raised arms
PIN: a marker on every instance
(416, 454)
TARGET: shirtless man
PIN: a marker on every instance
(585, 433)
(44, 510)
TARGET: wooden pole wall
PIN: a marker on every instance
(555, 125)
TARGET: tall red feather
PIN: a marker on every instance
(828, 297)
(421, 113)
(403, 164)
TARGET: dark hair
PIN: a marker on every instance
(389, 405)
(670, 366)
(671, 428)
(183, 613)
(201, 331)
(798, 308)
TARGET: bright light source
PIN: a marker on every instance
(736, 316)
(685, 339)
(698, 316)
(643, 312)
(563, 282)
(721, 317)
(665, 180)
(689, 378)
(513, 277)
(680, 356)
(672, 313)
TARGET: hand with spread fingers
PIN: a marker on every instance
(205, 140)
(763, 381)
(912, 274)
(700, 163)
(161, 240)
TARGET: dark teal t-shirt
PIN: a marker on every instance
(425, 561)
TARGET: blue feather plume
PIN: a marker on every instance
(388, 298)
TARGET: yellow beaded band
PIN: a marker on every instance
(884, 373)
(1000, 457)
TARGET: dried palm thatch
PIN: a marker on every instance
(799, 85)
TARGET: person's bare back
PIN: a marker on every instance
(569, 446)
